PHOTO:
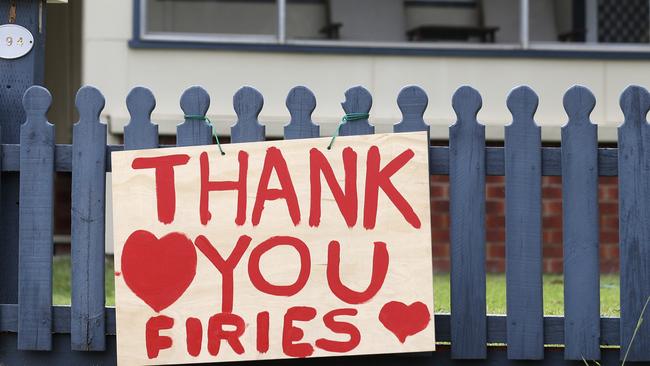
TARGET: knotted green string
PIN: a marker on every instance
(199, 117)
(349, 117)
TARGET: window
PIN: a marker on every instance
(590, 22)
(211, 20)
(418, 24)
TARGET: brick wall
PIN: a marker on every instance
(552, 223)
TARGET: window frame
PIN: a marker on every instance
(279, 43)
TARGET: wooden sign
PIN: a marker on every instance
(276, 249)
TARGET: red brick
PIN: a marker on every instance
(609, 237)
(552, 207)
(552, 251)
(602, 192)
(552, 193)
(612, 193)
(438, 191)
(608, 180)
(609, 222)
(440, 251)
(552, 237)
(552, 222)
(439, 178)
(495, 221)
(553, 266)
(498, 235)
(440, 206)
(492, 207)
(495, 265)
(552, 181)
(440, 221)
(609, 252)
(608, 208)
(494, 179)
(609, 266)
(496, 191)
(495, 251)
(440, 236)
(440, 265)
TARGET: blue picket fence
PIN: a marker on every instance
(84, 333)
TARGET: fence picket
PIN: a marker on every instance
(88, 223)
(467, 234)
(195, 102)
(35, 223)
(248, 103)
(140, 133)
(412, 102)
(301, 103)
(634, 216)
(466, 160)
(580, 227)
(523, 163)
(357, 100)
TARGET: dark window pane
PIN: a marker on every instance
(229, 17)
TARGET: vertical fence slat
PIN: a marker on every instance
(87, 326)
(467, 214)
(523, 163)
(412, 102)
(301, 103)
(357, 100)
(140, 133)
(195, 101)
(580, 227)
(35, 221)
(248, 103)
(634, 221)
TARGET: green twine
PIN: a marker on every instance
(199, 117)
(347, 118)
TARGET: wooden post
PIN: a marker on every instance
(16, 76)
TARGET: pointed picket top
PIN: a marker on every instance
(412, 102)
(578, 103)
(301, 103)
(248, 103)
(466, 102)
(522, 103)
(36, 102)
(194, 130)
(90, 103)
(140, 132)
(635, 103)
(357, 100)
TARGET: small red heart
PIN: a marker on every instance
(404, 320)
(158, 271)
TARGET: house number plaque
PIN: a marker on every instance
(15, 41)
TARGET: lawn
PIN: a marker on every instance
(62, 281)
(496, 290)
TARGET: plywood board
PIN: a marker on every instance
(208, 272)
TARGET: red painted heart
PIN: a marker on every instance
(404, 320)
(158, 271)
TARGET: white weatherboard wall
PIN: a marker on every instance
(109, 64)
(112, 66)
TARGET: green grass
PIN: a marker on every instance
(61, 288)
(553, 294)
(496, 290)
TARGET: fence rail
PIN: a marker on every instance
(522, 160)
